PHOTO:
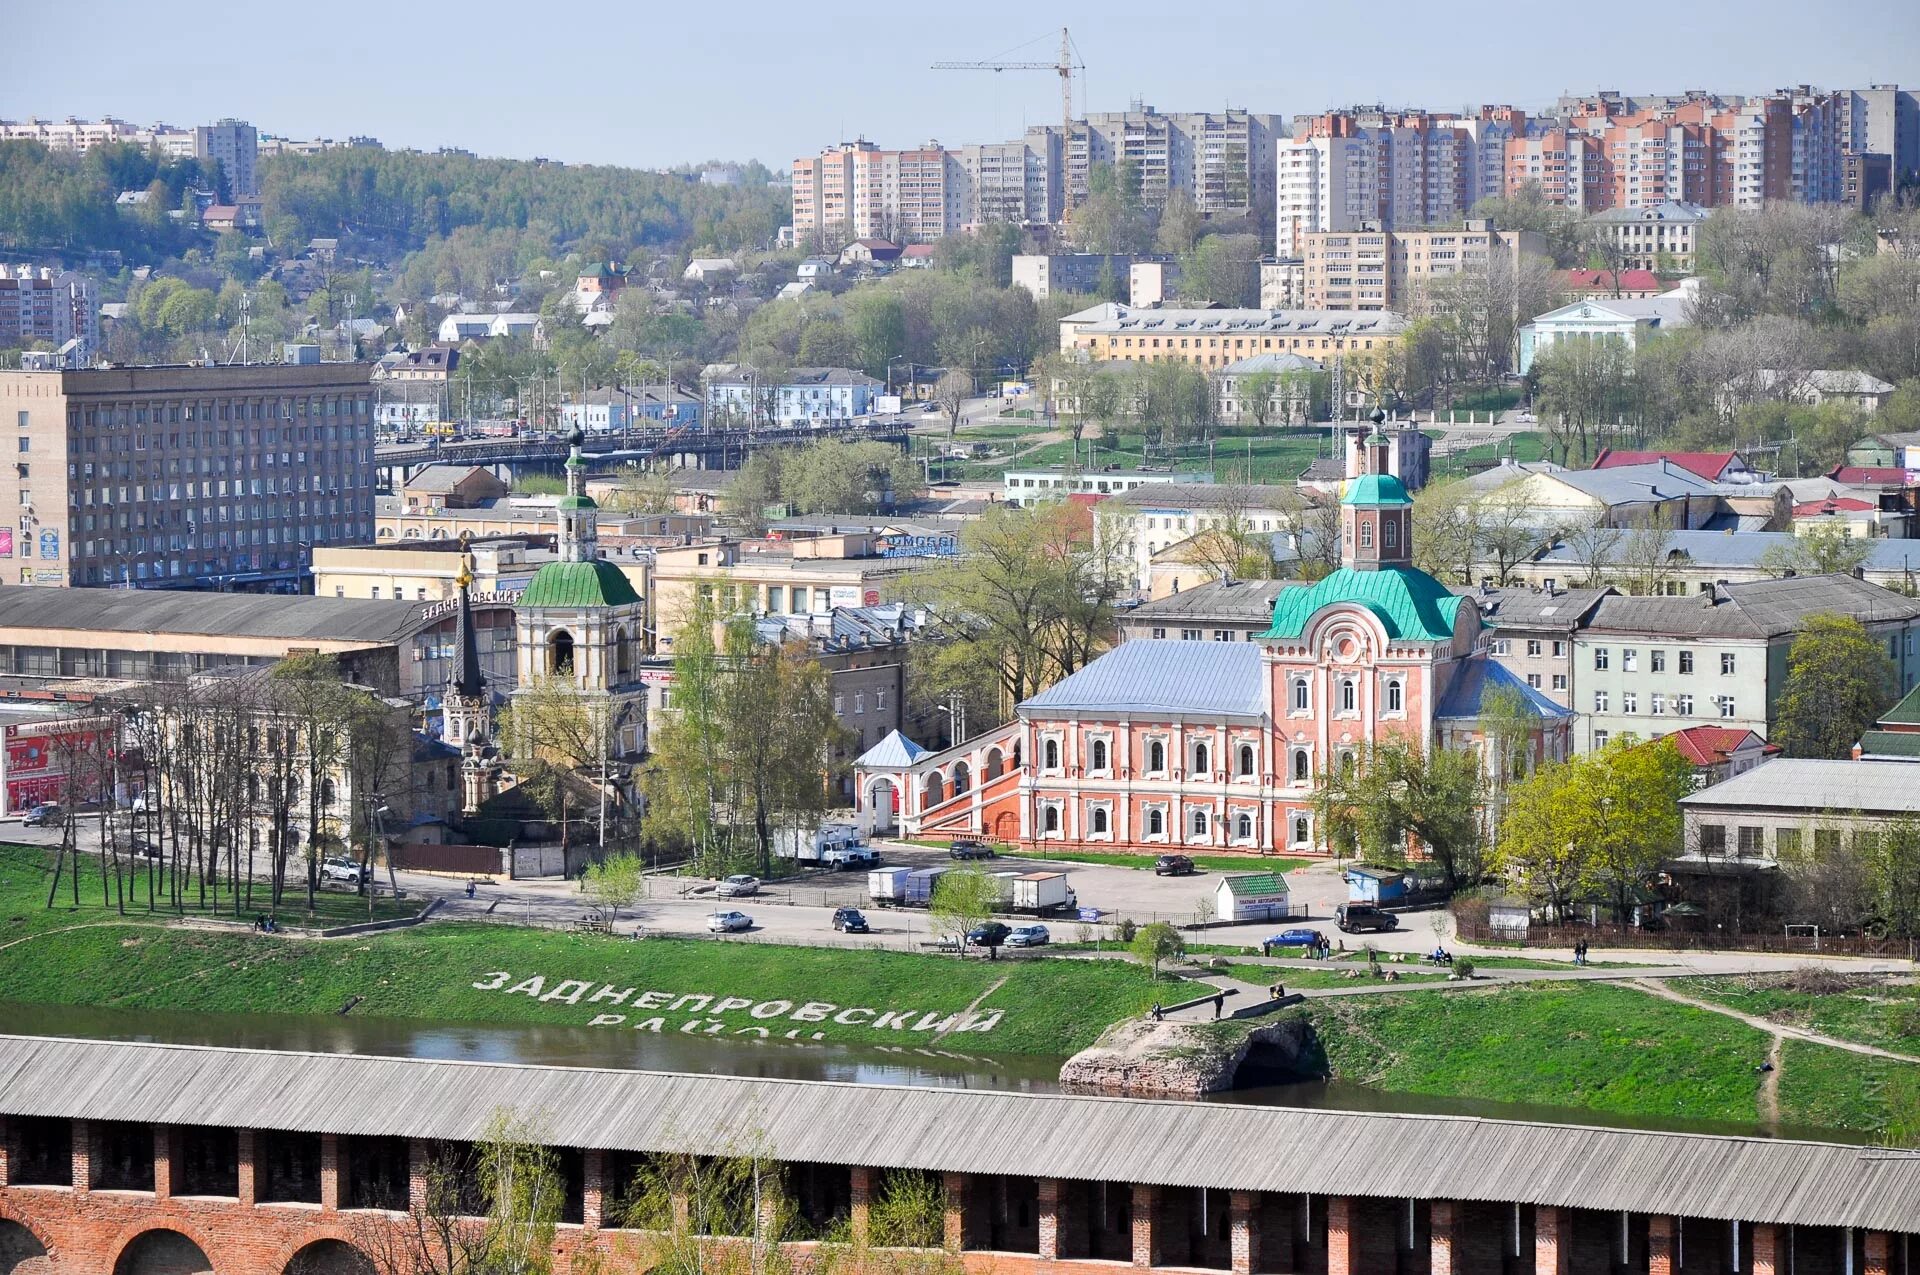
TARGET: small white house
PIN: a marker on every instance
(1257, 896)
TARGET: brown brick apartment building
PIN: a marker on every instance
(183, 476)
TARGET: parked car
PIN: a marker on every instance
(1173, 865)
(849, 921)
(737, 886)
(1298, 937)
(969, 849)
(1352, 917)
(141, 848)
(728, 922)
(335, 868)
(43, 815)
(991, 934)
(1029, 936)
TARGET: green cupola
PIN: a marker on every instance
(1376, 514)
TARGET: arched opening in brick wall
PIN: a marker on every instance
(162, 1252)
(21, 1252)
(329, 1257)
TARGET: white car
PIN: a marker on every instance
(737, 886)
(1524, 417)
(727, 922)
(338, 869)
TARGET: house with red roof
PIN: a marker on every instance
(1625, 284)
(1715, 467)
(1720, 752)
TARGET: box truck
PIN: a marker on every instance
(1042, 893)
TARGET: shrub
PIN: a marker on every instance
(1463, 968)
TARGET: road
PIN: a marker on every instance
(800, 910)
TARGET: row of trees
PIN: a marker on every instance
(68, 200)
(243, 784)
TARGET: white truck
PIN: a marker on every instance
(1043, 893)
(825, 845)
(888, 886)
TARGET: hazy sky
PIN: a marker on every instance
(649, 84)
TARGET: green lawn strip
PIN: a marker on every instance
(1585, 1045)
(1293, 977)
(1050, 1007)
(1823, 1087)
(1870, 1012)
(26, 872)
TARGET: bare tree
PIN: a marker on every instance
(951, 393)
(1593, 542)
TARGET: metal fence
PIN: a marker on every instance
(1565, 936)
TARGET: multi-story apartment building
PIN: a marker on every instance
(1221, 159)
(42, 304)
(1395, 169)
(183, 475)
(1653, 665)
(857, 190)
(1531, 633)
(1883, 120)
(1214, 338)
(1374, 269)
(234, 145)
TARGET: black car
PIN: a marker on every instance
(965, 849)
(849, 921)
(991, 934)
(1351, 917)
(1173, 865)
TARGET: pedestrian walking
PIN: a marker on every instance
(1219, 1002)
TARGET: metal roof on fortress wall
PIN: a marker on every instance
(1172, 1143)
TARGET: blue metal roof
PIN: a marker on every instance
(895, 750)
(1481, 674)
(1148, 676)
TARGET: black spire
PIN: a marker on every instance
(465, 678)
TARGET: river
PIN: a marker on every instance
(768, 1059)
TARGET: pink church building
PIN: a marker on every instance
(1164, 745)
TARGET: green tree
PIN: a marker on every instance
(1543, 847)
(1031, 595)
(1825, 550)
(963, 899)
(755, 486)
(1156, 944)
(1631, 793)
(642, 491)
(1112, 218)
(614, 882)
(1839, 682)
(1256, 396)
(1394, 792)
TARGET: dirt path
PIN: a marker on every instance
(995, 986)
(1770, 1089)
(1777, 1030)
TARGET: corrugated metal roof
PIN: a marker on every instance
(265, 615)
(1753, 609)
(1171, 1143)
(1224, 600)
(1148, 675)
(1890, 743)
(895, 751)
(1802, 783)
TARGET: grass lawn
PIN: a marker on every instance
(1854, 1093)
(1869, 1010)
(26, 873)
(94, 957)
(1572, 1045)
(1295, 978)
(1243, 454)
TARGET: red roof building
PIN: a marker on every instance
(1833, 505)
(1721, 752)
(1602, 283)
(1715, 467)
(1867, 476)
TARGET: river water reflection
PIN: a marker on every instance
(770, 1059)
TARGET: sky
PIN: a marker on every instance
(650, 84)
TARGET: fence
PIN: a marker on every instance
(475, 861)
(1473, 931)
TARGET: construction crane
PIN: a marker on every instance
(1064, 68)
